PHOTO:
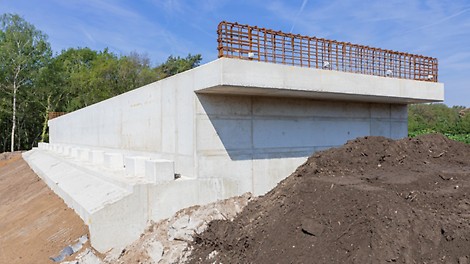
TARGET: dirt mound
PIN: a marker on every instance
(374, 200)
(35, 224)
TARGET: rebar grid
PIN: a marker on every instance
(253, 43)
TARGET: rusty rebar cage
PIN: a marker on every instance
(260, 44)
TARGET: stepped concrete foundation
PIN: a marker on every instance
(219, 130)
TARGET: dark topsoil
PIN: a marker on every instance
(373, 200)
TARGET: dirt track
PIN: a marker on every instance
(35, 224)
(373, 200)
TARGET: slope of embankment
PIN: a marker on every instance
(35, 224)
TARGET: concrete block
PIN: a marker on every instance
(84, 154)
(74, 152)
(97, 156)
(135, 166)
(66, 150)
(159, 170)
(114, 160)
(47, 146)
(59, 149)
(42, 145)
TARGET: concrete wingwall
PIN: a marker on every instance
(156, 119)
(253, 141)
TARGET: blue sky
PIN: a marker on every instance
(159, 28)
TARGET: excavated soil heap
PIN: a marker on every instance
(374, 200)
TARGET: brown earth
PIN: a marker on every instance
(35, 224)
(374, 200)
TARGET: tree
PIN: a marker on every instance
(33, 82)
(174, 65)
(454, 122)
(24, 50)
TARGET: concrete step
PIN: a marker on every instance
(80, 189)
(106, 207)
(118, 194)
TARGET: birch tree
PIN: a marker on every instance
(24, 50)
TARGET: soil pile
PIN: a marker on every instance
(374, 200)
(35, 224)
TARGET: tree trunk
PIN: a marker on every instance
(46, 118)
(13, 127)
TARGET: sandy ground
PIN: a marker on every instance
(35, 224)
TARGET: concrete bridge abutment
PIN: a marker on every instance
(227, 127)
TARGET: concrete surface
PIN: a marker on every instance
(227, 127)
(115, 205)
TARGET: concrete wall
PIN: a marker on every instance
(258, 141)
(252, 140)
(157, 118)
(249, 122)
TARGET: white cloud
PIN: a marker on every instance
(302, 7)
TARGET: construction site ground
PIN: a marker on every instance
(373, 200)
(35, 224)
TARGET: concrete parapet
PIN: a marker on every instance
(157, 171)
(114, 160)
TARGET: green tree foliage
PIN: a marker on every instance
(174, 65)
(24, 51)
(453, 122)
(34, 82)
